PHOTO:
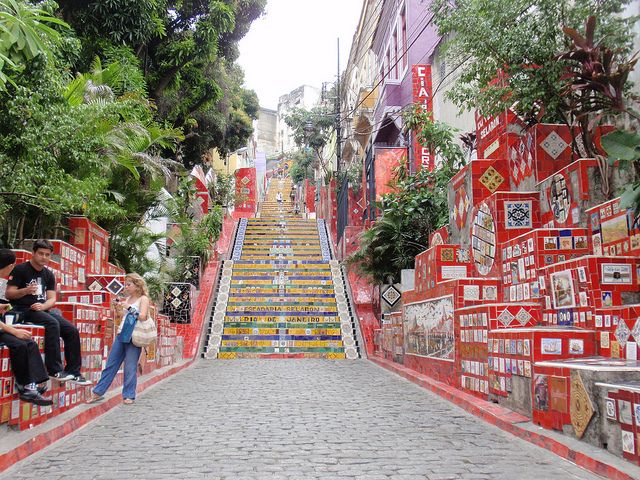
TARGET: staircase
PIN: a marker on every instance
(281, 295)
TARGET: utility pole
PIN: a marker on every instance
(338, 126)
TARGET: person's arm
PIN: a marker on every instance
(51, 301)
(144, 308)
(15, 293)
(16, 332)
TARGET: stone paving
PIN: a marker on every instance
(294, 420)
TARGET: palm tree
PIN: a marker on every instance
(24, 35)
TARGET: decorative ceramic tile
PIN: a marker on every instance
(635, 331)
(523, 317)
(245, 180)
(461, 207)
(483, 239)
(518, 214)
(581, 408)
(491, 179)
(554, 145)
(324, 240)
(447, 255)
(115, 286)
(521, 158)
(95, 286)
(391, 295)
(177, 302)
(622, 333)
(237, 247)
(505, 318)
(471, 292)
(560, 198)
(191, 272)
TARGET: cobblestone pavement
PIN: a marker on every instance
(291, 419)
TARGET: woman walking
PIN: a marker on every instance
(136, 302)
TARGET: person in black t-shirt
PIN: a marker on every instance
(26, 361)
(32, 290)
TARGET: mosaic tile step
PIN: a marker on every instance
(276, 242)
(285, 294)
(263, 331)
(297, 324)
(277, 279)
(275, 270)
(284, 337)
(319, 265)
(282, 317)
(269, 246)
(265, 290)
(280, 278)
(327, 302)
(298, 283)
(280, 255)
(266, 309)
(230, 344)
(294, 318)
(279, 231)
(316, 355)
(283, 350)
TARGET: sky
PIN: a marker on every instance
(295, 43)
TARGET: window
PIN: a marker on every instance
(387, 62)
(403, 27)
(395, 58)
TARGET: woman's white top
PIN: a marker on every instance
(136, 306)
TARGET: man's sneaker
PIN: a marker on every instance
(62, 376)
(80, 380)
(32, 396)
(41, 389)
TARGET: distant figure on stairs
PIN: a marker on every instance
(292, 195)
(279, 197)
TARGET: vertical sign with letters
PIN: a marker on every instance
(422, 95)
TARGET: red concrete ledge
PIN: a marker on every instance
(43, 440)
(504, 419)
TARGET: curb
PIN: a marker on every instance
(504, 419)
(45, 439)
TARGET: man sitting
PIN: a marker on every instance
(26, 361)
(32, 289)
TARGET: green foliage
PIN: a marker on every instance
(311, 128)
(416, 208)
(91, 115)
(353, 174)
(223, 191)
(123, 22)
(195, 238)
(25, 33)
(519, 38)
(437, 136)
(621, 145)
(410, 215)
(303, 165)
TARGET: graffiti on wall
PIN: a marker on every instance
(428, 328)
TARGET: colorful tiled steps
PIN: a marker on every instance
(281, 296)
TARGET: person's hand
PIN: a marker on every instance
(22, 334)
(38, 307)
(31, 289)
(4, 307)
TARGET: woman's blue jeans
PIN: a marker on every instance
(120, 352)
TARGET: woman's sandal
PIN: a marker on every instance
(128, 401)
(95, 398)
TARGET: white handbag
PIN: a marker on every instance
(144, 333)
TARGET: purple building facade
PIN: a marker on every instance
(405, 36)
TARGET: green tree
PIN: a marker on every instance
(25, 33)
(416, 208)
(506, 50)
